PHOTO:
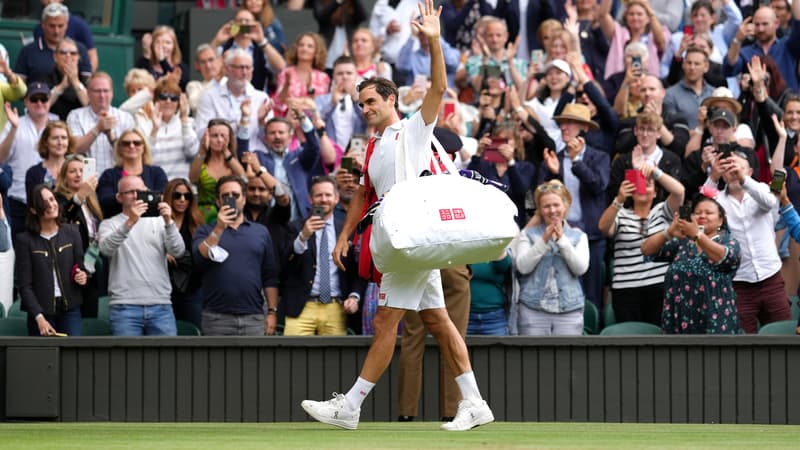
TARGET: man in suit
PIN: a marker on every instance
(584, 171)
(318, 295)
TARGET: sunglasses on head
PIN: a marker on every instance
(550, 187)
(182, 195)
(169, 97)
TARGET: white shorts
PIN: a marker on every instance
(412, 290)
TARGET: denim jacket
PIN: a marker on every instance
(552, 268)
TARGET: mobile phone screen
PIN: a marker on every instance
(89, 168)
(778, 177)
(685, 213)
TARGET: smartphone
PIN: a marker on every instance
(347, 164)
(493, 155)
(235, 28)
(636, 62)
(152, 199)
(778, 177)
(89, 168)
(685, 213)
(318, 211)
(635, 177)
(491, 71)
(688, 30)
(449, 109)
(229, 201)
(724, 150)
(537, 56)
(356, 144)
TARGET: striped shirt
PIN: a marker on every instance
(630, 269)
(174, 145)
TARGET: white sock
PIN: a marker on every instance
(356, 395)
(468, 386)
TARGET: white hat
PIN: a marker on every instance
(560, 64)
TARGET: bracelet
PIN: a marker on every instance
(261, 171)
(657, 173)
(214, 234)
(271, 310)
(229, 157)
(263, 43)
(616, 204)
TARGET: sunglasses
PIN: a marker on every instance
(182, 195)
(68, 52)
(550, 187)
(127, 143)
(169, 97)
(39, 99)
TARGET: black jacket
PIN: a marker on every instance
(36, 257)
(300, 271)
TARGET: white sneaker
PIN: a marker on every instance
(471, 413)
(335, 411)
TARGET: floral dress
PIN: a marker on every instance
(698, 294)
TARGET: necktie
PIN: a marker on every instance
(324, 268)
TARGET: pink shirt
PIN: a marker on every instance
(319, 81)
(615, 62)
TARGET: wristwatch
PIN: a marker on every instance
(271, 310)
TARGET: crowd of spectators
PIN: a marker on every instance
(642, 142)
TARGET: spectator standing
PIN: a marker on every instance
(165, 57)
(367, 56)
(215, 159)
(132, 157)
(78, 30)
(684, 99)
(12, 88)
(18, 148)
(550, 257)
(390, 23)
(639, 24)
(489, 297)
(461, 17)
(239, 270)
(305, 75)
(339, 108)
(209, 64)
(263, 11)
(53, 147)
(35, 61)
(698, 292)
(138, 282)
(69, 91)
(49, 274)
(337, 20)
(97, 126)
(318, 295)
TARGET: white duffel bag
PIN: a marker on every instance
(440, 221)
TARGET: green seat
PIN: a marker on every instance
(609, 318)
(630, 328)
(795, 307)
(591, 318)
(14, 326)
(16, 310)
(95, 327)
(2, 310)
(103, 307)
(786, 327)
(187, 328)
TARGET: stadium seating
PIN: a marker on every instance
(16, 311)
(103, 307)
(630, 328)
(13, 327)
(591, 318)
(786, 327)
(95, 327)
(187, 328)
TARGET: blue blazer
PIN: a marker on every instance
(326, 110)
(300, 270)
(300, 166)
(593, 171)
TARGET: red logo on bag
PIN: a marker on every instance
(445, 214)
(458, 214)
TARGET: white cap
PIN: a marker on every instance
(560, 64)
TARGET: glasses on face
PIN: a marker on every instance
(68, 52)
(38, 99)
(244, 67)
(550, 187)
(132, 142)
(169, 97)
(235, 195)
(182, 195)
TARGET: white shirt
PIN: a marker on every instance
(23, 154)
(752, 224)
(82, 120)
(221, 104)
(418, 146)
(382, 14)
(174, 145)
(545, 112)
(344, 121)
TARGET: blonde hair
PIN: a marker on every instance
(61, 186)
(552, 187)
(320, 54)
(147, 159)
(176, 56)
(138, 76)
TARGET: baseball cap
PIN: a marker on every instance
(560, 64)
(723, 114)
(37, 87)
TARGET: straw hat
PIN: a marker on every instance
(723, 94)
(577, 112)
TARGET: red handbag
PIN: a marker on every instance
(366, 268)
